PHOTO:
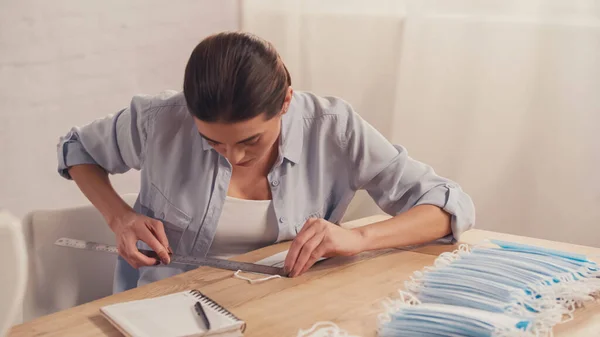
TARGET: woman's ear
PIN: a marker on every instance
(288, 100)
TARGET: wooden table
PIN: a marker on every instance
(347, 291)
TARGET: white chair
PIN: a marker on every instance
(14, 269)
(60, 277)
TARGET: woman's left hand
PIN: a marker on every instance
(320, 238)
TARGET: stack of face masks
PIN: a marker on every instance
(512, 290)
(427, 319)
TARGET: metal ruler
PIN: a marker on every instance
(189, 260)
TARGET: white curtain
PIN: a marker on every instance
(502, 96)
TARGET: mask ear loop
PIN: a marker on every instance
(392, 306)
(415, 281)
(583, 291)
(252, 281)
(484, 243)
(550, 311)
(329, 328)
(408, 298)
(515, 332)
(445, 259)
(389, 307)
(547, 312)
(544, 322)
(573, 292)
(542, 331)
(464, 247)
(412, 286)
(559, 296)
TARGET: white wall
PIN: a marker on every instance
(498, 95)
(343, 48)
(66, 62)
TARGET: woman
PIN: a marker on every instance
(239, 160)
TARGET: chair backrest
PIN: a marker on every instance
(14, 269)
(61, 278)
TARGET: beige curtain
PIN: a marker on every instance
(501, 96)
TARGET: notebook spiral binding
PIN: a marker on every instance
(215, 306)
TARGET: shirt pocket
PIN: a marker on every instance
(175, 221)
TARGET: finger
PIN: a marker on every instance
(159, 232)
(160, 250)
(141, 260)
(134, 257)
(314, 257)
(309, 222)
(306, 253)
(296, 246)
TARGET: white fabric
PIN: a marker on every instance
(324, 329)
(14, 270)
(499, 95)
(60, 277)
(254, 280)
(244, 225)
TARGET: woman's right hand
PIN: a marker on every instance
(128, 226)
(132, 227)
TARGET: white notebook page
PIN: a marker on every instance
(169, 315)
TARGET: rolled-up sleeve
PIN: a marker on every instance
(116, 142)
(396, 182)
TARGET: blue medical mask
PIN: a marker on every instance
(555, 263)
(499, 267)
(452, 286)
(461, 298)
(467, 282)
(494, 274)
(544, 270)
(444, 320)
(546, 251)
(519, 288)
(506, 260)
(544, 265)
(538, 285)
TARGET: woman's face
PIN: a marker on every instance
(245, 143)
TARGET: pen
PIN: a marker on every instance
(201, 313)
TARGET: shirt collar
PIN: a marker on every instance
(291, 140)
(292, 132)
(203, 141)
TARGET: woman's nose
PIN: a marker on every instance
(234, 155)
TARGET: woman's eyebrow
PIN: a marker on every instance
(241, 141)
(249, 138)
(210, 140)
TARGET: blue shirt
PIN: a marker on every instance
(326, 153)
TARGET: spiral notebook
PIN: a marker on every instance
(173, 315)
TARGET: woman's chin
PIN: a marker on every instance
(246, 163)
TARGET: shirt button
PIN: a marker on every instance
(282, 219)
(275, 183)
(161, 215)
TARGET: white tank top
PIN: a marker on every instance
(244, 225)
